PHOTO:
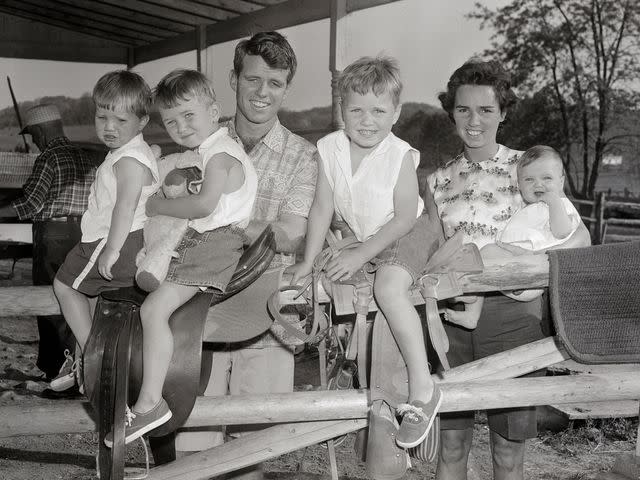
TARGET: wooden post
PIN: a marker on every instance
(337, 56)
(131, 58)
(599, 215)
(201, 48)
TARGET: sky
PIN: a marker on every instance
(429, 38)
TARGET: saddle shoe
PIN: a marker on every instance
(137, 424)
(384, 459)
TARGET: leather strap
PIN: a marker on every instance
(437, 333)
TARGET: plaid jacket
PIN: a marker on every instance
(59, 183)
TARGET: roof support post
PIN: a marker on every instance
(337, 55)
(131, 58)
(201, 48)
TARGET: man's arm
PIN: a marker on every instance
(35, 188)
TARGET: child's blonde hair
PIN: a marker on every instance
(539, 151)
(183, 85)
(369, 74)
(123, 90)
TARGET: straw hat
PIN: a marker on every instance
(40, 114)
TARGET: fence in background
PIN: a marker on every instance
(605, 213)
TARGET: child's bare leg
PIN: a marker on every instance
(391, 289)
(157, 343)
(75, 307)
(469, 317)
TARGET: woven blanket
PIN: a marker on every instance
(595, 301)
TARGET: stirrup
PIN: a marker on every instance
(130, 473)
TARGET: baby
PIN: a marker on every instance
(547, 220)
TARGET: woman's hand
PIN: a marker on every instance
(343, 266)
(298, 272)
(151, 207)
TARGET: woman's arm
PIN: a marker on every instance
(405, 205)
(130, 177)
(202, 204)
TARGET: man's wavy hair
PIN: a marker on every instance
(369, 74)
(477, 72)
(123, 90)
(272, 47)
(181, 85)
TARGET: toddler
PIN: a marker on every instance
(210, 249)
(112, 225)
(546, 220)
(368, 177)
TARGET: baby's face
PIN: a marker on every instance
(191, 121)
(540, 177)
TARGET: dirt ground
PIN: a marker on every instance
(576, 452)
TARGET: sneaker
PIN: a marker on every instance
(66, 377)
(137, 424)
(417, 420)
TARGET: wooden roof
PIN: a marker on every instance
(137, 31)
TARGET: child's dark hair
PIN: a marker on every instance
(537, 152)
(369, 74)
(123, 90)
(272, 47)
(183, 85)
(478, 72)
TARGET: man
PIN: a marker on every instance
(286, 165)
(54, 199)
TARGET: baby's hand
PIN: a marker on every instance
(550, 197)
(151, 208)
(298, 272)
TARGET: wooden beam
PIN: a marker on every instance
(160, 11)
(72, 417)
(253, 449)
(235, 6)
(82, 12)
(144, 21)
(86, 24)
(63, 25)
(277, 16)
(196, 8)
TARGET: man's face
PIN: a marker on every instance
(259, 89)
(37, 136)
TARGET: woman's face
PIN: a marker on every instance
(477, 116)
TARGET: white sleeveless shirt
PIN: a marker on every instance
(365, 199)
(96, 221)
(233, 208)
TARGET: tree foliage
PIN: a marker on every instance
(577, 65)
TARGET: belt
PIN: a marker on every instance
(68, 219)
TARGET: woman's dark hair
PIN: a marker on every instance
(477, 72)
(272, 47)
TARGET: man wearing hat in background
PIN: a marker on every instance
(54, 199)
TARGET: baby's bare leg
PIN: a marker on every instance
(469, 317)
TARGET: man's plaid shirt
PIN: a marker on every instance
(59, 183)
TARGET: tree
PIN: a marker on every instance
(584, 56)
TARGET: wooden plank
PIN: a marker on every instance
(63, 417)
(166, 12)
(570, 366)
(252, 449)
(581, 411)
(16, 232)
(195, 8)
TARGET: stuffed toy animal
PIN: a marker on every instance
(182, 175)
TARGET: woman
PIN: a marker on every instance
(477, 193)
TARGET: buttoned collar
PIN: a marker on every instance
(274, 139)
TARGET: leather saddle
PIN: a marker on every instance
(112, 362)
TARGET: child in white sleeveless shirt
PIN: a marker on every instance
(210, 249)
(112, 225)
(368, 177)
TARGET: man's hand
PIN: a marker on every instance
(343, 266)
(107, 259)
(298, 272)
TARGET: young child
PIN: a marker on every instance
(546, 220)
(368, 176)
(211, 247)
(112, 224)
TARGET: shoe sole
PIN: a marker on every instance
(63, 383)
(146, 429)
(426, 432)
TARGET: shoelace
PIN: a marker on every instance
(411, 412)
(128, 416)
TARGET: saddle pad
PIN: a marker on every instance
(595, 301)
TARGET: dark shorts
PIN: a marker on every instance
(504, 324)
(207, 259)
(80, 268)
(412, 251)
